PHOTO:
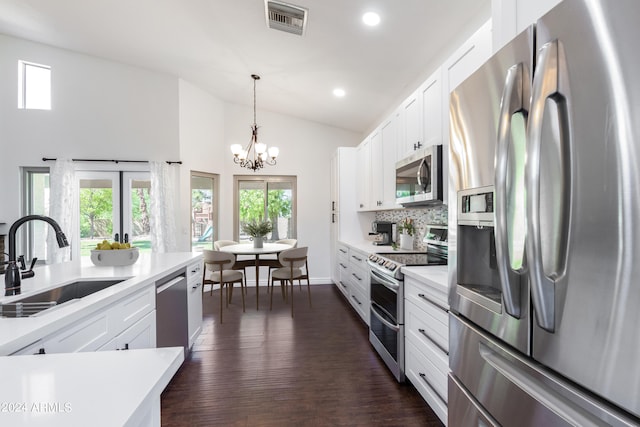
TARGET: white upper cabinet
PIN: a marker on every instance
(511, 17)
(389, 131)
(363, 183)
(421, 117)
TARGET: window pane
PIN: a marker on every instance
(37, 203)
(140, 224)
(203, 211)
(269, 198)
(251, 197)
(96, 213)
(279, 208)
(35, 86)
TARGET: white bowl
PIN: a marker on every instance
(116, 257)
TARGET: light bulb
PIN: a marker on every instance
(273, 152)
(243, 155)
(236, 149)
(261, 147)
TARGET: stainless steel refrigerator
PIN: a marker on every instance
(545, 159)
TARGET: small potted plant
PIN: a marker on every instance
(257, 230)
(406, 230)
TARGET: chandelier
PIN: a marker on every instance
(256, 155)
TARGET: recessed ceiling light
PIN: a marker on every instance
(371, 19)
(339, 92)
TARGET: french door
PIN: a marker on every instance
(113, 206)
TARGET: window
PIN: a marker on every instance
(34, 86)
(114, 203)
(265, 197)
(204, 210)
(33, 234)
(110, 203)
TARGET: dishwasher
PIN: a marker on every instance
(172, 328)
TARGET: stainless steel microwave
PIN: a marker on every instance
(419, 177)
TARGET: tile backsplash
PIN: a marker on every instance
(421, 218)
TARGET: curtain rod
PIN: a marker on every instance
(46, 159)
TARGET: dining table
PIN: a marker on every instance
(249, 249)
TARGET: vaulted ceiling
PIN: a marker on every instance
(218, 44)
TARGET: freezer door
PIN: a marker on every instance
(492, 384)
(488, 117)
(582, 177)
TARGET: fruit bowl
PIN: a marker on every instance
(113, 258)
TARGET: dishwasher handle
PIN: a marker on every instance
(169, 284)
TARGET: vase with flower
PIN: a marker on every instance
(258, 230)
(407, 229)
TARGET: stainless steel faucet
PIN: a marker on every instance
(13, 275)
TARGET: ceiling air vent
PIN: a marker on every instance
(286, 17)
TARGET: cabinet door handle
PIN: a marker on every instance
(428, 384)
(342, 284)
(356, 299)
(342, 250)
(356, 258)
(197, 285)
(429, 300)
(356, 276)
(424, 333)
(343, 266)
(40, 351)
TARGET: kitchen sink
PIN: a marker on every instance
(37, 303)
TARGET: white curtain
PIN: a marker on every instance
(164, 197)
(63, 208)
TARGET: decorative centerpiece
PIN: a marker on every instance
(258, 231)
(406, 230)
(114, 254)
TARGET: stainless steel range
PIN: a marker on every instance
(386, 329)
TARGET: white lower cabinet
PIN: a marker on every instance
(101, 327)
(353, 278)
(427, 343)
(194, 300)
(140, 335)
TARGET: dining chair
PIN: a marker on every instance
(218, 265)
(274, 263)
(293, 260)
(240, 264)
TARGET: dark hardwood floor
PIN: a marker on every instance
(263, 368)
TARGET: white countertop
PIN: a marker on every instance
(436, 276)
(110, 388)
(17, 333)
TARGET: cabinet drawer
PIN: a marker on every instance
(359, 277)
(360, 303)
(422, 294)
(427, 379)
(141, 335)
(429, 323)
(422, 338)
(133, 308)
(194, 271)
(88, 335)
(357, 258)
(342, 250)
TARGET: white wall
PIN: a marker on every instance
(201, 147)
(103, 109)
(305, 151)
(100, 109)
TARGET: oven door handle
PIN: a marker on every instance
(375, 312)
(386, 282)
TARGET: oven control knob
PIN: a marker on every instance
(381, 261)
(372, 258)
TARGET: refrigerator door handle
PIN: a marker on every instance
(513, 99)
(547, 205)
(545, 395)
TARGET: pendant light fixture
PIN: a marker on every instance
(256, 154)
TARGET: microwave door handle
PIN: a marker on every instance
(548, 194)
(427, 175)
(512, 102)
